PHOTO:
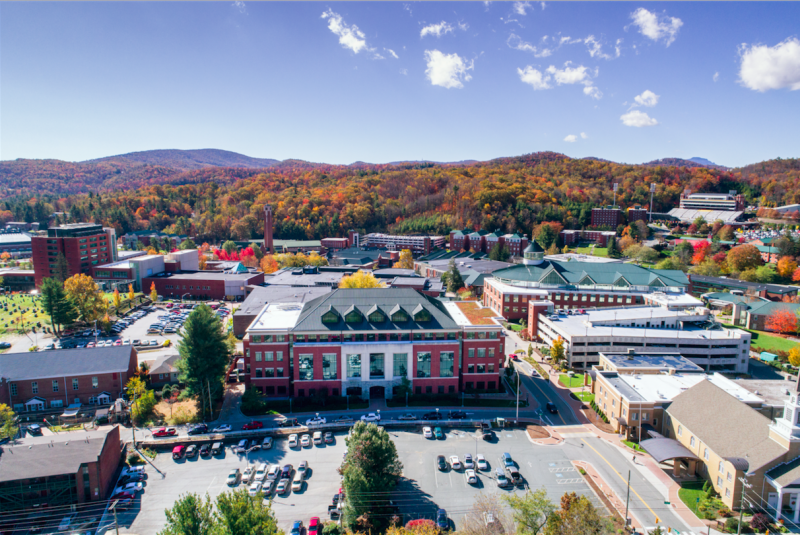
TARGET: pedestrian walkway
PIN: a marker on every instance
(231, 404)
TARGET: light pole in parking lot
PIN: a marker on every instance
(515, 368)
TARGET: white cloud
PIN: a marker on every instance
(583, 135)
(637, 119)
(516, 42)
(534, 78)
(408, 8)
(392, 52)
(650, 26)
(765, 67)
(404, 72)
(486, 4)
(463, 26)
(447, 70)
(716, 76)
(238, 4)
(596, 49)
(571, 138)
(520, 8)
(569, 75)
(593, 92)
(647, 98)
(350, 37)
(436, 29)
(543, 6)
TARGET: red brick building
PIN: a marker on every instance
(363, 342)
(83, 244)
(58, 378)
(482, 241)
(600, 237)
(606, 217)
(637, 213)
(202, 284)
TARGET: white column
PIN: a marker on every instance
(365, 366)
(388, 366)
(410, 365)
(797, 508)
(780, 505)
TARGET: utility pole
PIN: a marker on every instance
(517, 393)
(627, 497)
(114, 508)
(652, 190)
(616, 185)
(745, 485)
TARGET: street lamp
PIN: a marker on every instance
(378, 412)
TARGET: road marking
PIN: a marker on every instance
(572, 481)
(548, 399)
(564, 469)
(620, 476)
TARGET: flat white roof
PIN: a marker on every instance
(663, 387)
(574, 257)
(507, 288)
(679, 300)
(276, 316)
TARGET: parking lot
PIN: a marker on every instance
(422, 491)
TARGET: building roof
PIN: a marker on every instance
(786, 473)
(689, 215)
(658, 387)
(735, 283)
(275, 293)
(342, 300)
(357, 255)
(15, 238)
(467, 264)
(286, 244)
(664, 449)
(297, 277)
(165, 364)
(649, 361)
(570, 273)
(719, 419)
(727, 297)
(389, 273)
(203, 276)
(767, 308)
(53, 455)
(773, 391)
(64, 362)
(533, 247)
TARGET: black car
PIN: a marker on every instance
(198, 429)
(433, 416)
(487, 435)
(286, 471)
(441, 463)
(551, 408)
(457, 415)
(344, 419)
(287, 422)
(205, 450)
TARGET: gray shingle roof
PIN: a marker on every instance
(729, 427)
(600, 273)
(734, 283)
(363, 300)
(65, 362)
(278, 293)
(786, 473)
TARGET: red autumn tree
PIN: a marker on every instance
(701, 251)
(744, 257)
(719, 258)
(783, 321)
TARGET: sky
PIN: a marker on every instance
(340, 82)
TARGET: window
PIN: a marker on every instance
(424, 364)
(305, 367)
(353, 315)
(481, 352)
(691, 441)
(376, 317)
(491, 352)
(75, 384)
(705, 454)
(721, 467)
(471, 353)
(258, 356)
(727, 493)
(55, 385)
(268, 356)
(258, 373)
(95, 382)
(376, 366)
(329, 366)
(353, 366)
(13, 389)
(644, 416)
(446, 359)
(730, 476)
(491, 368)
(625, 413)
(719, 481)
(399, 365)
(330, 316)
(470, 368)
(269, 372)
(34, 387)
(399, 316)
(279, 372)
(56, 403)
(680, 431)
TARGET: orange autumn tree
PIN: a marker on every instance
(269, 264)
(783, 321)
(786, 267)
(701, 251)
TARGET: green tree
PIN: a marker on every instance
(766, 274)
(8, 422)
(370, 468)
(612, 249)
(187, 244)
(531, 511)
(546, 236)
(238, 513)
(454, 280)
(190, 515)
(61, 271)
(708, 268)
(403, 388)
(229, 247)
(204, 355)
(58, 306)
(500, 253)
(743, 257)
(577, 516)
(683, 252)
(671, 263)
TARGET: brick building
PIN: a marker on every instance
(58, 378)
(393, 242)
(83, 244)
(482, 241)
(203, 284)
(637, 213)
(363, 342)
(600, 237)
(606, 217)
(58, 471)
(701, 284)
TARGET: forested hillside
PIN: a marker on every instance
(312, 201)
(188, 160)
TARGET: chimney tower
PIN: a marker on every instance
(268, 246)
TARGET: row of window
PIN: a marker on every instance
(268, 373)
(268, 356)
(56, 382)
(178, 287)
(55, 404)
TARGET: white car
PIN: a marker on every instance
(472, 479)
(132, 470)
(293, 441)
(427, 432)
(283, 486)
(316, 421)
(222, 429)
(267, 487)
(468, 461)
(302, 467)
(131, 488)
(305, 441)
(254, 489)
(274, 472)
(247, 475)
(455, 463)
(371, 417)
(480, 460)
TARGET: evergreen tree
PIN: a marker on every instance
(454, 280)
(500, 253)
(61, 272)
(58, 306)
(613, 250)
(204, 355)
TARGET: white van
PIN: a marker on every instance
(297, 483)
(317, 437)
(261, 472)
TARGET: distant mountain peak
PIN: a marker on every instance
(704, 161)
(189, 160)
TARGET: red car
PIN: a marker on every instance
(123, 496)
(313, 526)
(165, 432)
(252, 425)
(512, 356)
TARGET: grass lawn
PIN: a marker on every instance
(516, 327)
(586, 397)
(598, 251)
(689, 493)
(11, 307)
(767, 341)
(572, 382)
(632, 445)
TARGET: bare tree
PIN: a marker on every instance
(488, 517)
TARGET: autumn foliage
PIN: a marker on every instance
(783, 321)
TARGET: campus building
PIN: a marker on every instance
(416, 244)
(730, 201)
(637, 213)
(15, 243)
(701, 284)
(600, 237)
(202, 284)
(364, 342)
(84, 245)
(608, 216)
(482, 241)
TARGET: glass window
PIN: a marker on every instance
(376, 366)
(353, 365)
(705, 454)
(481, 352)
(481, 368)
(329, 366)
(399, 365)
(269, 372)
(471, 352)
(491, 368)
(691, 441)
(306, 367)
(424, 364)
(721, 464)
(446, 359)
(280, 374)
(470, 368)
(75, 384)
(35, 387)
(719, 481)
(258, 356)
(13, 389)
(491, 352)
(55, 385)
(279, 356)
(258, 372)
(680, 431)
(268, 356)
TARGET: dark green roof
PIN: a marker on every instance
(600, 273)
(363, 300)
(768, 308)
(533, 247)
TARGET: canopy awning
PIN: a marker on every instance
(651, 431)
(71, 411)
(665, 449)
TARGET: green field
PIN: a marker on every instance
(516, 327)
(598, 251)
(572, 382)
(689, 492)
(10, 307)
(586, 397)
(767, 341)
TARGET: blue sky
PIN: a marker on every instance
(385, 81)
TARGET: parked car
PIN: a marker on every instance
(241, 447)
(427, 432)
(316, 421)
(297, 528)
(305, 441)
(261, 472)
(457, 415)
(500, 477)
(205, 450)
(437, 432)
(268, 485)
(248, 474)
(131, 488)
(233, 477)
(274, 471)
(122, 496)
(217, 448)
(286, 471)
(328, 438)
(288, 422)
(506, 459)
(433, 416)
(441, 463)
(178, 452)
(314, 526)
(133, 470)
(165, 432)
(407, 416)
(455, 462)
(371, 417)
(344, 419)
(129, 478)
(266, 443)
(254, 489)
(283, 486)
(317, 438)
(297, 482)
(198, 429)
(224, 428)
(292, 441)
(468, 461)
(472, 478)
(255, 424)
(480, 460)
(441, 520)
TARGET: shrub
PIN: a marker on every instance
(732, 525)
(331, 528)
(706, 486)
(134, 459)
(582, 471)
(760, 522)
(420, 523)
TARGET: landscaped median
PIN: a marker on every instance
(574, 381)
